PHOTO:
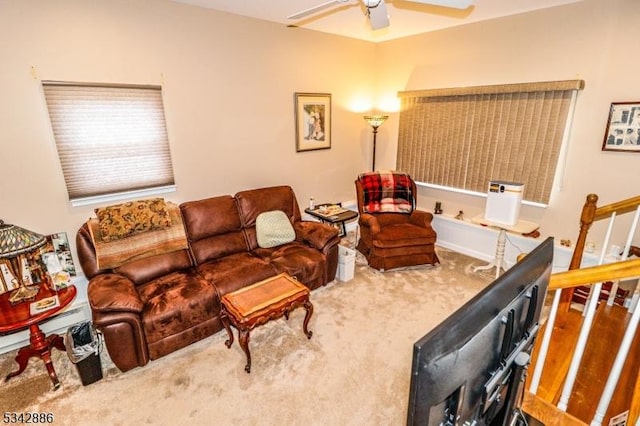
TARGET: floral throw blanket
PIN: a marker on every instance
(386, 192)
(116, 253)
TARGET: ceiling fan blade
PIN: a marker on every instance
(315, 9)
(456, 4)
(378, 15)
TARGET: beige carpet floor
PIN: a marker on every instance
(355, 370)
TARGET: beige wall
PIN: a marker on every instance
(229, 81)
(228, 85)
(593, 40)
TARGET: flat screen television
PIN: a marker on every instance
(469, 370)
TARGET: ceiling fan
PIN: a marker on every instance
(376, 10)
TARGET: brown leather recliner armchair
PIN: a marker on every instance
(397, 239)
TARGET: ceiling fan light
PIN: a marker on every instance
(378, 16)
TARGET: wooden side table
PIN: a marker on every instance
(260, 303)
(521, 227)
(333, 214)
(18, 317)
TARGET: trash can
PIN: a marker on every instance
(346, 263)
(84, 345)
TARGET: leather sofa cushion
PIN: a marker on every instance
(176, 302)
(298, 260)
(233, 272)
(210, 217)
(316, 235)
(216, 247)
(213, 227)
(113, 293)
(144, 270)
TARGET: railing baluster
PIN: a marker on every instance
(544, 345)
(625, 254)
(616, 370)
(590, 309)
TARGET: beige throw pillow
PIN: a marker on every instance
(274, 229)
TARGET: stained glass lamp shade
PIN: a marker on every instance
(14, 243)
(375, 121)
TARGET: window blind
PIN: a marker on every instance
(465, 137)
(110, 138)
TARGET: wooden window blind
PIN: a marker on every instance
(465, 137)
(110, 138)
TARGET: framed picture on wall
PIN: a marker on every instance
(623, 127)
(313, 121)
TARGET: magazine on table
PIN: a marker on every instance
(328, 210)
(43, 305)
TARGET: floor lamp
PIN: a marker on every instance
(375, 121)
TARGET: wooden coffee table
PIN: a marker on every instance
(260, 303)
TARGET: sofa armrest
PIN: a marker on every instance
(315, 234)
(113, 293)
(421, 218)
(369, 221)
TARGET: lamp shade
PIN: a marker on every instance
(15, 240)
(375, 121)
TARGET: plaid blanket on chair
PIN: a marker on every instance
(386, 192)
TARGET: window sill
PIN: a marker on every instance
(109, 198)
(474, 193)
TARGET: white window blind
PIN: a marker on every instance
(111, 139)
(463, 138)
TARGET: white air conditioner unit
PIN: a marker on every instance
(503, 202)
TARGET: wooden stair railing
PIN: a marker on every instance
(592, 213)
(628, 367)
(607, 272)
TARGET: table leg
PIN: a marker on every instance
(244, 344)
(40, 346)
(497, 262)
(225, 322)
(309, 308)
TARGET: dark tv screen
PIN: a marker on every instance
(469, 369)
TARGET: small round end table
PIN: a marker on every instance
(18, 317)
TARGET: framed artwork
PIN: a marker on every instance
(313, 121)
(623, 127)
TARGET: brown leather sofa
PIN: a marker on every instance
(150, 307)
